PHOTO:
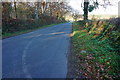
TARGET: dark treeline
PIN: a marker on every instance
(18, 16)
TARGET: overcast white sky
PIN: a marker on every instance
(76, 4)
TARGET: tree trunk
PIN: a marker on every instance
(15, 9)
(86, 3)
(37, 12)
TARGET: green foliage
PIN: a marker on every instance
(91, 8)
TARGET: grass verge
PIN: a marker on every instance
(95, 59)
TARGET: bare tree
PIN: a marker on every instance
(15, 8)
(36, 11)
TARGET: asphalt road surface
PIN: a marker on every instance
(38, 54)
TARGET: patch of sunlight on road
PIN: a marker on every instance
(37, 35)
(57, 33)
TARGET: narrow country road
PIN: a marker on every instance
(38, 54)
